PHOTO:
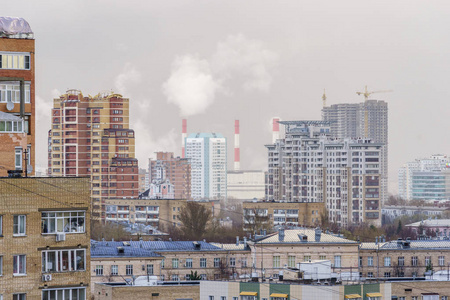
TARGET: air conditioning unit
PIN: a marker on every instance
(47, 277)
(60, 237)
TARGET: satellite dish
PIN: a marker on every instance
(9, 105)
(29, 169)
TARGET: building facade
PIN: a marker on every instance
(207, 153)
(45, 238)
(425, 179)
(264, 215)
(246, 184)
(368, 119)
(90, 136)
(17, 68)
(174, 169)
(308, 165)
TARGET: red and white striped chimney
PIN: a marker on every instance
(237, 152)
(183, 137)
(275, 129)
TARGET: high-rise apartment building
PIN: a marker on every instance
(17, 101)
(208, 157)
(368, 119)
(174, 169)
(425, 179)
(309, 165)
(91, 136)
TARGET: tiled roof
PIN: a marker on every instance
(293, 236)
(104, 250)
(414, 245)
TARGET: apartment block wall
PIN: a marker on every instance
(29, 197)
(105, 292)
(28, 46)
(8, 144)
(419, 289)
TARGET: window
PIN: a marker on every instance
(370, 274)
(337, 261)
(387, 274)
(67, 221)
(276, 262)
(19, 265)
(322, 257)
(427, 260)
(443, 298)
(18, 159)
(64, 260)
(414, 298)
(360, 261)
(202, 262)
(1, 268)
(370, 261)
(99, 270)
(175, 263)
(19, 225)
(414, 260)
(67, 293)
(19, 296)
(211, 297)
(387, 261)
(203, 277)
(188, 263)
(114, 270)
(162, 277)
(291, 261)
(149, 269)
(223, 298)
(232, 262)
(441, 260)
(401, 298)
(19, 61)
(175, 277)
(401, 261)
(162, 264)
(1, 226)
(216, 262)
(244, 262)
(129, 270)
(307, 258)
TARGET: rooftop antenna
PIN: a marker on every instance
(324, 98)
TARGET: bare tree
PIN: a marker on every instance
(256, 219)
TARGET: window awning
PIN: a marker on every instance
(279, 295)
(248, 294)
(352, 296)
(374, 295)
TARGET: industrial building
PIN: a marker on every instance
(91, 136)
(309, 165)
(17, 96)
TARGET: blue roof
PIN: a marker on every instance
(205, 135)
(414, 245)
(144, 248)
(108, 250)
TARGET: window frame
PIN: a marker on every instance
(129, 270)
(114, 270)
(203, 262)
(70, 291)
(19, 233)
(17, 260)
(99, 270)
(59, 256)
(54, 221)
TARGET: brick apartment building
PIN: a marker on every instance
(44, 238)
(91, 136)
(176, 170)
(17, 61)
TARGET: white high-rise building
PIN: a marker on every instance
(367, 119)
(208, 156)
(308, 165)
(425, 179)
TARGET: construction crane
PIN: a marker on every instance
(366, 94)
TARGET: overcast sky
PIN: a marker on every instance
(217, 61)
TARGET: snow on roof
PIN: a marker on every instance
(14, 25)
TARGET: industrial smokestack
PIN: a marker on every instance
(237, 151)
(275, 129)
(183, 137)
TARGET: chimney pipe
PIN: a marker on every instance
(275, 129)
(237, 151)
(318, 234)
(281, 234)
(183, 137)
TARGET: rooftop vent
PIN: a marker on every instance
(281, 234)
(197, 245)
(120, 250)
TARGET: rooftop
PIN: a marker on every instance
(8, 117)
(163, 246)
(431, 223)
(294, 236)
(413, 245)
(205, 135)
(14, 27)
(109, 249)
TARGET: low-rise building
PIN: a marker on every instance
(391, 212)
(273, 213)
(403, 258)
(286, 248)
(169, 260)
(44, 238)
(440, 227)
